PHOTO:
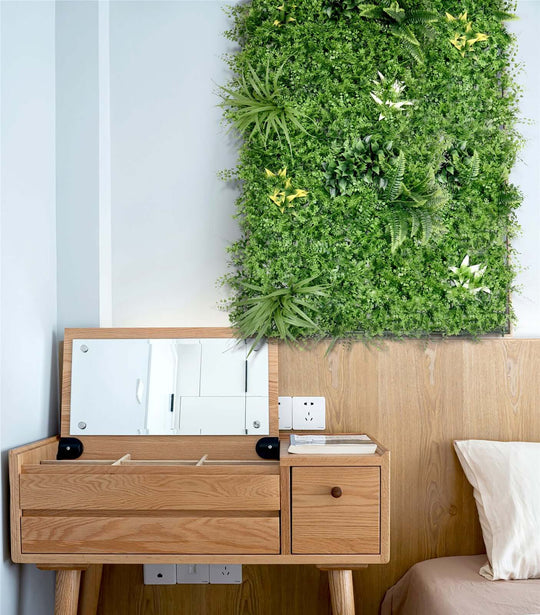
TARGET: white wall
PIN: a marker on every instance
(28, 264)
(171, 216)
(77, 156)
(526, 173)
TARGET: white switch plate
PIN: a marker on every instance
(309, 413)
(159, 574)
(193, 574)
(226, 574)
(285, 412)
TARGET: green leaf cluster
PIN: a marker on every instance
(361, 159)
(381, 243)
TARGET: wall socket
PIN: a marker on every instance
(285, 412)
(193, 574)
(308, 413)
(225, 574)
(159, 574)
(198, 574)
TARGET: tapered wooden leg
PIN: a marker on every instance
(90, 586)
(67, 592)
(341, 592)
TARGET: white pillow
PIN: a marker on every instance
(506, 481)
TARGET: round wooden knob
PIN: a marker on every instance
(336, 492)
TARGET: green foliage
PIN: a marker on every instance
(413, 209)
(400, 22)
(382, 242)
(363, 159)
(281, 313)
(256, 105)
(460, 165)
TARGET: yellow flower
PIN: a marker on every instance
(277, 22)
(269, 173)
(450, 17)
(281, 8)
(282, 172)
(463, 16)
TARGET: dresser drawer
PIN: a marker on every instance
(151, 535)
(346, 524)
(121, 488)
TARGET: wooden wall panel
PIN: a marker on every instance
(415, 397)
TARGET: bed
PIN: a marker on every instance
(453, 586)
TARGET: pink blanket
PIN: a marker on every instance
(452, 586)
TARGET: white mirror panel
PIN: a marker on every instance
(168, 387)
(188, 378)
(109, 387)
(213, 416)
(223, 368)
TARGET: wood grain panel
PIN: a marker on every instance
(322, 523)
(200, 535)
(89, 489)
(415, 398)
(266, 590)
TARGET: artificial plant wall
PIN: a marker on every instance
(376, 143)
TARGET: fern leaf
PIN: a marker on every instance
(426, 222)
(405, 33)
(415, 222)
(395, 181)
(398, 226)
(419, 16)
(413, 49)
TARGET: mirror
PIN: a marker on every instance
(168, 387)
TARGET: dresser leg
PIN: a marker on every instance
(90, 586)
(67, 592)
(341, 592)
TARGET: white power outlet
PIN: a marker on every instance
(159, 574)
(285, 412)
(309, 413)
(226, 574)
(192, 574)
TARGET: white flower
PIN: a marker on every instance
(376, 98)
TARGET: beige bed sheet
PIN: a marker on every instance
(453, 586)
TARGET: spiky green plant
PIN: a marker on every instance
(282, 313)
(412, 210)
(257, 106)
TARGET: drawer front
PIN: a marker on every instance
(151, 535)
(324, 524)
(124, 489)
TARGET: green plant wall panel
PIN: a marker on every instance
(375, 144)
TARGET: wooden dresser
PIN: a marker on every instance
(182, 499)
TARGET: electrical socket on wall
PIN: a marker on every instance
(285, 412)
(225, 574)
(159, 574)
(193, 574)
(308, 413)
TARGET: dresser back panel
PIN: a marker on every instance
(415, 397)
